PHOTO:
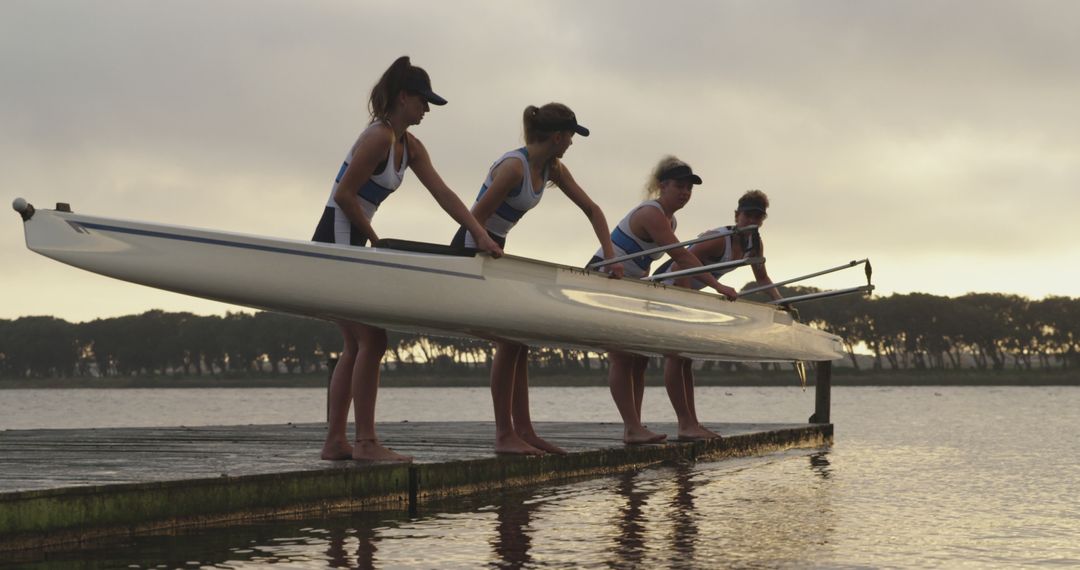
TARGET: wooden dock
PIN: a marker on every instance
(66, 486)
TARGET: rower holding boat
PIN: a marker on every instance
(373, 169)
(514, 185)
(732, 244)
(650, 226)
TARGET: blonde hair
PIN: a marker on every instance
(652, 187)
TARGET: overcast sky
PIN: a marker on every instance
(941, 140)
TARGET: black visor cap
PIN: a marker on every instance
(570, 124)
(751, 205)
(419, 83)
(678, 172)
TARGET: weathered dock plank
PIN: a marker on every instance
(63, 486)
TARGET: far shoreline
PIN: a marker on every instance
(479, 379)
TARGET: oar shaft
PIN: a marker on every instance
(663, 248)
(706, 268)
(852, 263)
(822, 295)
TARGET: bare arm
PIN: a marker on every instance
(658, 227)
(368, 152)
(762, 276)
(506, 176)
(565, 181)
(420, 162)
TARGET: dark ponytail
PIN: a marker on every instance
(390, 84)
(538, 121)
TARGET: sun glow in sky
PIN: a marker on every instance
(942, 140)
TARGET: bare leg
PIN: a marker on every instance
(641, 363)
(365, 384)
(621, 383)
(522, 419)
(688, 383)
(688, 388)
(339, 400)
(676, 386)
(503, 379)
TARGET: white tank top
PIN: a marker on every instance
(624, 242)
(517, 202)
(696, 283)
(378, 187)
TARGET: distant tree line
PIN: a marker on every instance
(985, 331)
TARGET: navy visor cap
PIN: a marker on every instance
(419, 83)
(751, 205)
(679, 172)
(570, 124)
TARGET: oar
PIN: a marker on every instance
(698, 239)
(852, 263)
(706, 268)
(822, 295)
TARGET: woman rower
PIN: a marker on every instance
(514, 185)
(373, 169)
(728, 246)
(649, 225)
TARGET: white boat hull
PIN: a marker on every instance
(509, 298)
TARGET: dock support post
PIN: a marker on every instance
(822, 393)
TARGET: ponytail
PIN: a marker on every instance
(538, 120)
(390, 84)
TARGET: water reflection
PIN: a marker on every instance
(337, 552)
(513, 537)
(683, 517)
(629, 546)
(819, 464)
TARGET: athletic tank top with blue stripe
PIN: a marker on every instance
(334, 227)
(517, 202)
(625, 242)
(750, 245)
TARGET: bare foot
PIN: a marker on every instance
(372, 450)
(336, 450)
(511, 444)
(697, 433)
(641, 435)
(541, 444)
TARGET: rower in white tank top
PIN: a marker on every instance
(334, 226)
(517, 202)
(749, 247)
(624, 242)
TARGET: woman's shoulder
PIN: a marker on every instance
(648, 209)
(413, 143)
(510, 167)
(375, 136)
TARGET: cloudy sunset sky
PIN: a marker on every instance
(941, 140)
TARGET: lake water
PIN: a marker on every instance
(917, 477)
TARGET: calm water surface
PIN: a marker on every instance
(917, 477)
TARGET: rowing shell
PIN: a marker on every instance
(429, 289)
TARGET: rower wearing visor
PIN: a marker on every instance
(647, 226)
(513, 186)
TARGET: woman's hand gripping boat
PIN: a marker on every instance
(428, 288)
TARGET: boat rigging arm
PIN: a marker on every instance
(705, 268)
(663, 248)
(847, 265)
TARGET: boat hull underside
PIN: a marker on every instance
(510, 298)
